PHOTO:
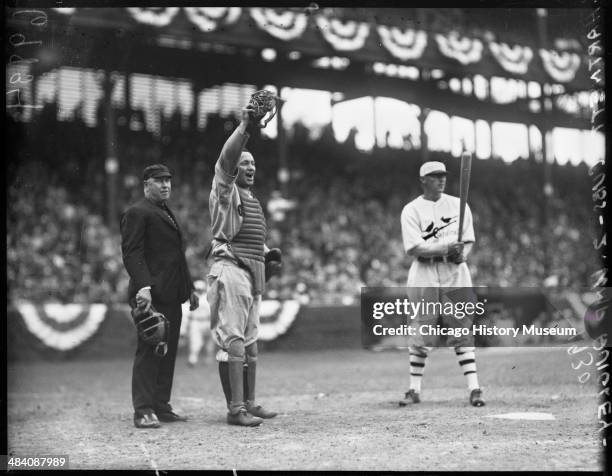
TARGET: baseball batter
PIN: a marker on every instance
(430, 226)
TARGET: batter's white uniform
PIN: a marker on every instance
(426, 221)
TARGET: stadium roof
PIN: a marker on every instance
(212, 45)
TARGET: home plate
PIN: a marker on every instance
(524, 416)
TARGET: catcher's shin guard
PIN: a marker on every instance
(236, 379)
(225, 381)
(249, 378)
(251, 406)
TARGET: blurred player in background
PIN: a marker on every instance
(236, 279)
(430, 225)
(196, 328)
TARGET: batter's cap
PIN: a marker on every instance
(432, 167)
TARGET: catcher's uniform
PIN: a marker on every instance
(428, 221)
(236, 280)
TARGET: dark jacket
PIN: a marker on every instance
(154, 253)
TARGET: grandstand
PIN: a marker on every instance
(344, 233)
(369, 95)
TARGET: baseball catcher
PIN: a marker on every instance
(242, 264)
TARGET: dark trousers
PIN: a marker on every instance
(152, 374)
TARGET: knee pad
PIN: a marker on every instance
(251, 352)
(235, 351)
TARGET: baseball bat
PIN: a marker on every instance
(464, 186)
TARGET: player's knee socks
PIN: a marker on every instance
(236, 374)
(224, 377)
(418, 356)
(225, 382)
(466, 357)
(251, 371)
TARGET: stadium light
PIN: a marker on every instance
(379, 68)
(339, 63)
(323, 62)
(268, 54)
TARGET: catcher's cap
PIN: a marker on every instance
(156, 171)
(431, 168)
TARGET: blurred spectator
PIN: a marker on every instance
(342, 233)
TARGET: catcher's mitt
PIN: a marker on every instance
(273, 262)
(152, 328)
(264, 102)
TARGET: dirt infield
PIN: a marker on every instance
(338, 412)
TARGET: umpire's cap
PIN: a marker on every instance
(156, 171)
(429, 168)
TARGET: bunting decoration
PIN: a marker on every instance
(514, 60)
(285, 26)
(564, 61)
(62, 327)
(276, 318)
(404, 45)
(343, 36)
(211, 18)
(154, 16)
(464, 50)
(561, 67)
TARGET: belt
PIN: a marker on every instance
(434, 259)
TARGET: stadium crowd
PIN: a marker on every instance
(342, 233)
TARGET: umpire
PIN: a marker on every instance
(154, 257)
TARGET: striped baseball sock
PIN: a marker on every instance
(418, 356)
(467, 360)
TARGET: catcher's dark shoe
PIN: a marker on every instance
(170, 417)
(147, 420)
(476, 398)
(260, 411)
(242, 418)
(411, 396)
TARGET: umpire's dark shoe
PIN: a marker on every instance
(242, 418)
(411, 396)
(476, 398)
(170, 417)
(147, 420)
(259, 411)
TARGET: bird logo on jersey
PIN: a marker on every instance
(432, 232)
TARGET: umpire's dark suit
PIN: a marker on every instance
(154, 255)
